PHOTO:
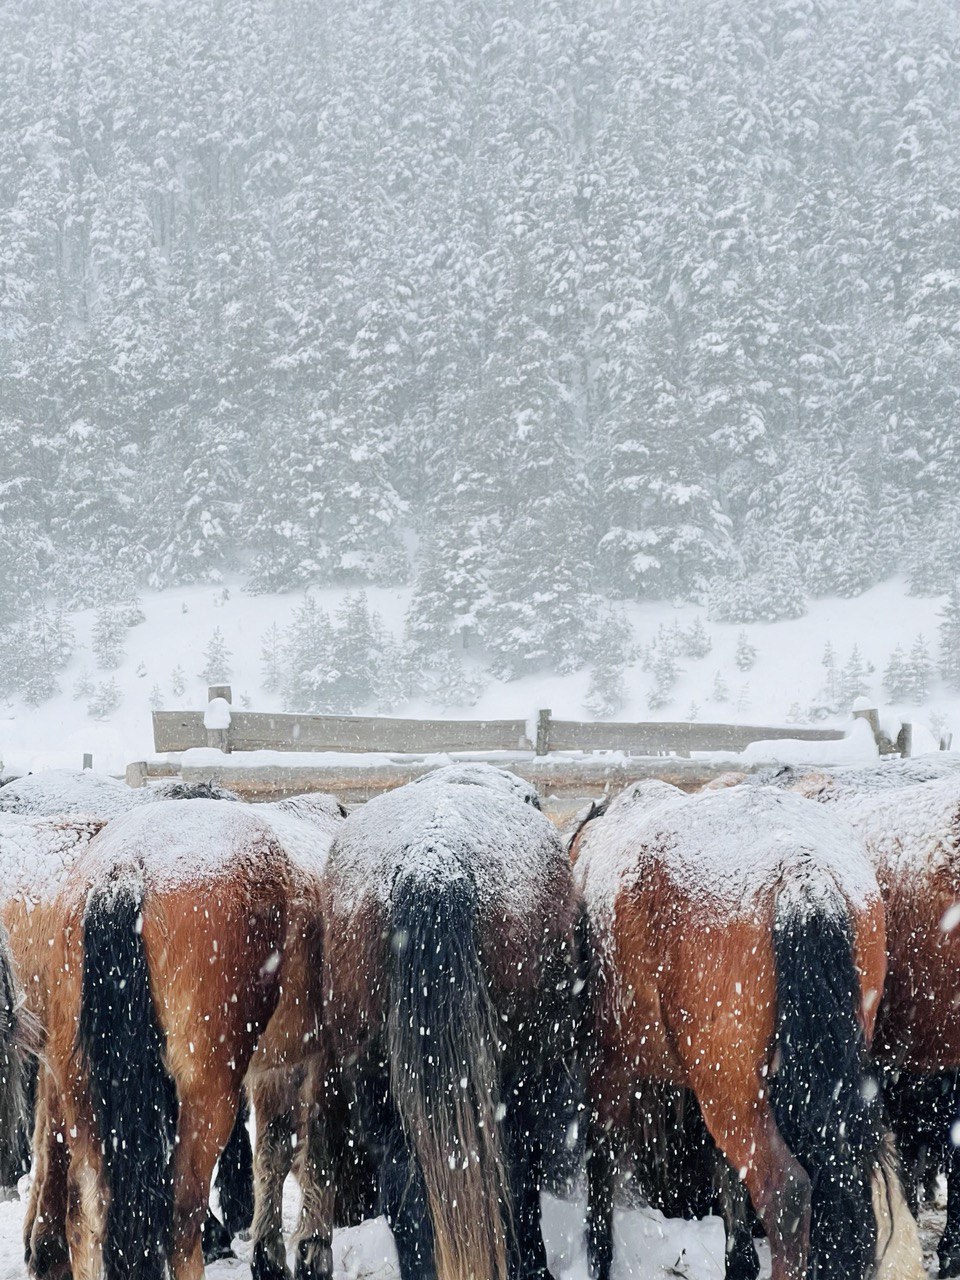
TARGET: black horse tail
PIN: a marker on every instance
(21, 1038)
(134, 1097)
(443, 1052)
(826, 1103)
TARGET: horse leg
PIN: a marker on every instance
(528, 1255)
(777, 1183)
(273, 1104)
(203, 1127)
(403, 1201)
(85, 1210)
(601, 1179)
(742, 1262)
(45, 1225)
(314, 1170)
(948, 1250)
(235, 1175)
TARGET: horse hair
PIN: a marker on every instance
(443, 1052)
(827, 1106)
(234, 1180)
(195, 791)
(17, 1071)
(134, 1098)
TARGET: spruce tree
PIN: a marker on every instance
(746, 654)
(108, 637)
(696, 641)
(949, 637)
(216, 660)
(919, 668)
(896, 677)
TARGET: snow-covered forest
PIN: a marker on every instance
(534, 308)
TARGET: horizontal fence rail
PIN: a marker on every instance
(267, 731)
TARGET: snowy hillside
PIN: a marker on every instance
(786, 683)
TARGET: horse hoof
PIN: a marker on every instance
(265, 1266)
(743, 1265)
(215, 1240)
(48, 1258)
(314, 1260)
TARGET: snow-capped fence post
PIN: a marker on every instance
(862, 710)
(88, 760)
(216, 718)
(543, 731)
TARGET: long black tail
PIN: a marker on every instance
(442, 1046)
(134, 1098)
(20, 1040)
(827, 1105)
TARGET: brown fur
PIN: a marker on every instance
(234, 964)
(683, 997)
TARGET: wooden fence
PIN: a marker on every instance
(267, 731)
(561, 757)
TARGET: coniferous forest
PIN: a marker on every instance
(534, 306)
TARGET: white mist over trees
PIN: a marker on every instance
(521, 303)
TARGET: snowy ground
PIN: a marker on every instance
(648, 1246)
(180, 622)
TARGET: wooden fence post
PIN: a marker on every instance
(905, 740)
(137, 773)
(218, 734)
(88, 760)
(543, 731)
(862, 710)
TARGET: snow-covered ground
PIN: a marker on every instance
(647, 1245)
(788, 674)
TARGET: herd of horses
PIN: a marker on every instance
(437, 1006)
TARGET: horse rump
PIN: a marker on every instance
(134, 1097)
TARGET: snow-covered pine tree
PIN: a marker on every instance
(216, 660)
(665, 673)
(949, 637)
(105, 700)
(918, 671)
(271, 659)
(83, 686)
(854, 682)
(896, 676)
(696, 641)
(720, 691)
(359, 643)
(178, 682)
(309, 668)
(746, 654)
(107, 639)
(611, 649)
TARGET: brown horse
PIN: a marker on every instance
(37, 851)
(738, 946)
(186, 957)
(911, 829)
(449, 974)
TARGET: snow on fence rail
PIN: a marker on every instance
(229, 730)
(563, 758)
